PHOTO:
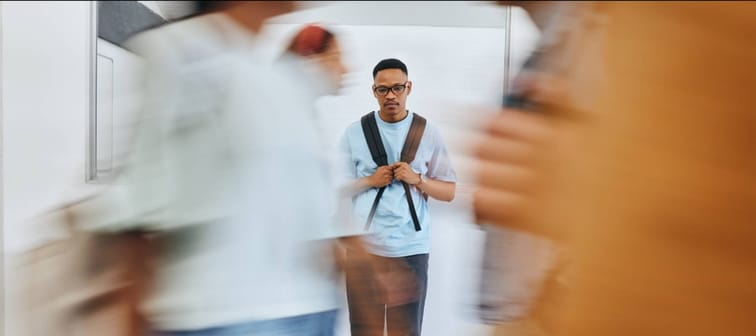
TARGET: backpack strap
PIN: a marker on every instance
(415, 134)
(411, 143)
(373, 138)
(378, 152)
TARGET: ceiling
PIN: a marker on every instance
(482, 14)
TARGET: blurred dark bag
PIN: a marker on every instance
(87, 283)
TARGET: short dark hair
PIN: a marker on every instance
(389, 63)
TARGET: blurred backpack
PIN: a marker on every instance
(86, 283)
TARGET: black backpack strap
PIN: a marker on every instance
(415, 134)
(373, 138)
(375, 206)
(378, 152)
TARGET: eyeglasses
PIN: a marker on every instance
(396, 89)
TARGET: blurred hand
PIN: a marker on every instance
(382, 177)
(513, 165)
(403, 172)
(518, 155)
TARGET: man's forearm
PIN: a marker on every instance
(440, 190)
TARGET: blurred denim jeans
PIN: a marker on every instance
(316, 324)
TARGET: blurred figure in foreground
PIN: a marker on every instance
(227, 172)
(320, 52)
(520, 266)
(652, 183)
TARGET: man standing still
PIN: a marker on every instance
(397, 242)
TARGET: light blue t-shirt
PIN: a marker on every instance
(392, 233)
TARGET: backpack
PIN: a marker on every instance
(85, 283)
(378, 152)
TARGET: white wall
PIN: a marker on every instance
(119, 93)
(45, 100)
(2, 204)
(45, 55)
(45, 103)
(481, 14)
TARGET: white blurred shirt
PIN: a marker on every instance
(228, 164)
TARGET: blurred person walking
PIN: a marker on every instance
(227, 171)
(522, 271)
(652, 181)
(320, 56)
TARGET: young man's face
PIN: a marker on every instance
(391, 88)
